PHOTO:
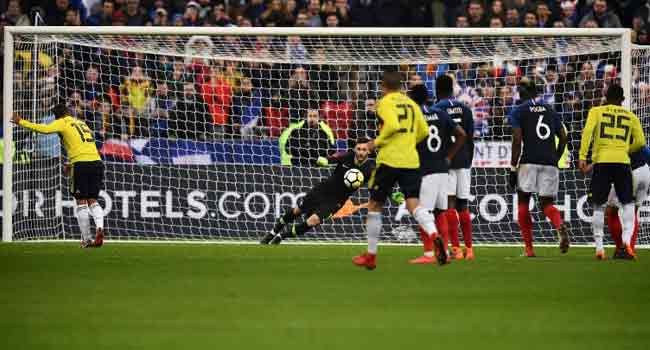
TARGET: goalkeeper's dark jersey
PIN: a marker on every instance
(461, 115)
(434, 149)
(334, 186)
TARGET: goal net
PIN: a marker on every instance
(205, 132)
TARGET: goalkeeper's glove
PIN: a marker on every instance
(512, 180)
(322, 161)
(397, 197)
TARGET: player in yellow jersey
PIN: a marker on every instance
(402, 127)
(610, 127)
(86, 165)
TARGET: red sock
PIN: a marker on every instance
(635, 234)
(452, 219)
(443, 228)
(615, 228)
(525, 224)
(427, 241)
(466, 226)
(553, 214)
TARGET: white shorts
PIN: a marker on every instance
(640, 185)
(460, 181)
(541, 179)
(433, 191)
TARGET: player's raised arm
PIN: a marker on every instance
(50, 128)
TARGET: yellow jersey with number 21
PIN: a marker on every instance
(77, 137)
(403, 127)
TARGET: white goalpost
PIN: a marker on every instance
(202, 129)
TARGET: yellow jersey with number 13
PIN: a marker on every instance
(403, 127)
(77, 137)
(610, 127)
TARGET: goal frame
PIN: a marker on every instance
(10, 31)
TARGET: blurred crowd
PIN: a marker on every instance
(130, 94)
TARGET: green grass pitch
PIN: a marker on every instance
(164, 296)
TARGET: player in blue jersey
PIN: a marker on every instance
(436, 152)
(536, 125)
(460, 169)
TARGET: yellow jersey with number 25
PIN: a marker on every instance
(77, 137)
(403, 127)
(610, 128)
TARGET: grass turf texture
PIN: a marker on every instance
(159, 296)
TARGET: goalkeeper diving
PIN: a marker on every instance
(327, 197)
(86, 167)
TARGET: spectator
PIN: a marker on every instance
(247, 109)
(429, 72)
(600, 14)
(302, 19)
(313, 12)
(160, 106)
(135, 93)
(105, 16)
(189, 119)
(218, 16)
(362, 13)
(343, 11)
(56, 14)
(298, 94)
(296, 51)
(496, 22)
(15, 14)
(275, 14)
(134, 14)
(93, 88)
(497, 9)
(72, 18)
(302, 143)
(191, 16)
(530, 20)
(291, 10)
(217, 93)
(254, 10)
(569, 14)
(332, 20)
(476, 14)
(512, 18)
(591, 23)
(365, 121)
(462, 22)
(544, 19)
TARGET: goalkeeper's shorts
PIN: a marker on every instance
(87, 179)
(320, 203)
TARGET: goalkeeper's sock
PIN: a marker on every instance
(425, 219)
(597, 223)
(97, 214)
(553, 214)
(84, 222)
(627, 218)
(615, 229)
(525, 224)
(427, 242)
(452, 219)
(297, 230)
(466, 226)
(286, 218)
(635, 234)
(443, 228)
(373, 228)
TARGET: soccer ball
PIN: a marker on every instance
(353, 179)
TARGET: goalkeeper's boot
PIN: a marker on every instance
(628, 253)
(267, 238)
(367, 260)
(600, 255)
(619, 253)
(99, 237)
(563, 234)
(440, 251)
(276, 240)
(87, 243)
(421, 260)
(469, 254)
(457, 253)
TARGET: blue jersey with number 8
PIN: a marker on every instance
(539, 125)
(434, 149)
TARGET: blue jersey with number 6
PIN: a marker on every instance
(434, 149)
(539, 125)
